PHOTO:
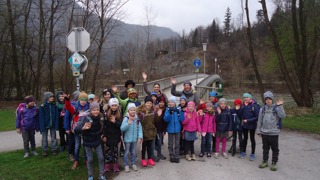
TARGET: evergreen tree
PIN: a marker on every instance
(227, 23)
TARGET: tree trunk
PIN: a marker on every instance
(252, 58)
(50, 50)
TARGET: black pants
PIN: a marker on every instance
(252, 139)
(234, 141)
(62, 133)
(213, 144)
(110, 153)
(28, 137)
(71, 143)
(273, 142)
(146, 145)
(188, 146)
(181, 143)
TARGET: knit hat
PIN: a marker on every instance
(131, 105)
(214, 94)
(83, 96)
(161, 99)
(94, 105)
(131, 91)
(75, 95)
(183, 97)
(153, 94)
(247, 95)
(148, 98)
(187, 82)
(113, 101)
(47, 95)
(268, 94)
(91, 96)
(129, 82)
(209, 104)
(237, 102)
(191, 103)
(174, 99)
(29, 99)
(222, 100)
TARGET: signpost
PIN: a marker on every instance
(78, 40)
(197, 64)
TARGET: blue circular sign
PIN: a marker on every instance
(197, 63)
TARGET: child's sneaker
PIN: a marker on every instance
(162, 157)
(26, 155)
(54, 152)
(71, 158)
(134, 167)
(143, 163)
(193, 157)
(126, 169)
(90, 178)
(200, 155)
(107, 168)
(225, 155)
(172, 160)
(102, 177)
(151, 162)
(209, 155)
(177, 160)
(273, 166)
(44, 153)
(35, 153)
(264, 164)
(252, 157)
(156, 159)
(75, 165)
(242, 155)
(216, 155)
(115, 168)
(188, 158)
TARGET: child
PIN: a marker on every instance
(213, 99)
(208, 129)
(183, 107)
(146, 116)
(224, 123)
(191, 126)
(269, 128)
(154, 97)
(112, 134)
(161, 126)
(131, 127)
(61, 111)
(27, 124)
(91, 129)
(173, 116)
(49, 121)
(236, 128)
(132, 98)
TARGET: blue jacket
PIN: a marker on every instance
(223, 120)
(132, 132)
(68, 117)
(250, 113)
(174, 117)
(48, 116)
(27, 118)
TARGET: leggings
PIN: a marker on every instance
(146, 145)
(111, 154)
(224, 144)
(188, 145)
(252, 139)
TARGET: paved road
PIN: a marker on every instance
(299, 159)
(11, 140)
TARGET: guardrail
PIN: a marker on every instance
(205, 86)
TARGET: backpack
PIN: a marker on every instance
(274, 111)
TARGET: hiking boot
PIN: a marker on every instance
(177, 160)
(107, 168)
(156, 159)
(26, 155)
(273, 166)
(90, 178)
(242, 155)
(71, 158)
(44, 153)
(126, 169)
(143, 163)
(193, 157)
(134, 167)
(188, 158)
(225, 155)
(172, 160)
(216, 155)
(252, 157)
(151, 162)
(54, 152)
(264, 164)
(162, 157)
(115, 168)
(75, 165)
(102, 177)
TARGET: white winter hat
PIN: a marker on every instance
(131, 105)
(113, 101)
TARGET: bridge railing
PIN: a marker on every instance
(207, 85)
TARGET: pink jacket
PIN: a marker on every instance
(208, 123)
(191, 124)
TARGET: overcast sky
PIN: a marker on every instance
(188, 14)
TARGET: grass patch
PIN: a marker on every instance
(7, 119)
(14, 166)
(307, 122)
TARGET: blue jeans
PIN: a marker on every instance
(158, 142)
(100, 157)
(130, 146)
(77, 146)
(54, 145)
(206, 143)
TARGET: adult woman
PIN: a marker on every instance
(156, 88)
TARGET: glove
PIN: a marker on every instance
(171, 110)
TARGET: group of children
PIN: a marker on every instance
(104, 125)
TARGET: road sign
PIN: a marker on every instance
(84, 65)
(78, 40)
(76, 60)
(197, 70)
(197, 63)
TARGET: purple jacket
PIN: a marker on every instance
(27, 118)
(191, 124)
(208, 123)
